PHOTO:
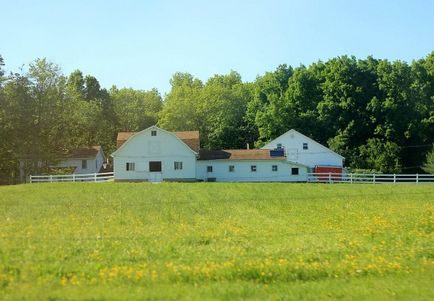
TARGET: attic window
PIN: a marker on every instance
(305, 146)
(153, 133)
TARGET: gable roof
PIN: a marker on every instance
(124, 136)
(191, 138)
(306, 137)
(78, 153)
(238, 154)
(84, 152)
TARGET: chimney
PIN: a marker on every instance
(248, 146)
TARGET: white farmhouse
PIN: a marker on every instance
(155, 154)
(84, 160)
(77, 161)
(303, 150)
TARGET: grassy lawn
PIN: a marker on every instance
(172, 241)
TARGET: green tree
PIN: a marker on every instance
(429, 162)
(265, 108)
(136, 109)
(380, 155)
(222, 109)
(181, 105)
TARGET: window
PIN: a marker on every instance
(279, 145)
(153, 133)
(130, 166)
(294, 171)
(154, 166)
(252, 167)
(305, 146)
(231, 168)
(274, 168)
(209, 168)
(177, 165)
(84, 164)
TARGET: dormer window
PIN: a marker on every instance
(279, 145)
(153, 133)
(305, 146)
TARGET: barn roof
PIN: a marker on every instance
(191, 138)
(238, 154)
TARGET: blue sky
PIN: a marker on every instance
(140, 44)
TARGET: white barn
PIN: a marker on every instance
(304, 150)
(155, 154)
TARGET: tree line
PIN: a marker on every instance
(378, 114)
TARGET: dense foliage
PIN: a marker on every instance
(378, 114)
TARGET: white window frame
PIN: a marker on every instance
(274, 168)
(130, 166)
(253, 168)
(177, 165)
(305, 146)
(231, 168)
(153, 133)
(209, 168)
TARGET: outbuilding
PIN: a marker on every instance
(155, 154)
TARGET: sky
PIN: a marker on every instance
(141, 44)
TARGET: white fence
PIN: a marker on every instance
(90, 177)
(311, 177)
(370, 178)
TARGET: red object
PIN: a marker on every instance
(328, 172)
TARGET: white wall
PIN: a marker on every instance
(243, 173)
(316, 154)
(93, 165)
(165, 147)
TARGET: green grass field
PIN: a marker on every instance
(199, 241)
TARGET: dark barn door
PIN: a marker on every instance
(155, 166)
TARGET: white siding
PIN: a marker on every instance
(142, 148)
(93, 165)
(242, 171)
(316, 154)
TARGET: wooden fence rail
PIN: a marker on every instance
(90, 177)
(370, 178)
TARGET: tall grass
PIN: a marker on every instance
(215, 241)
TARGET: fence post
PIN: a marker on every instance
(51, 178)
(94, 177)
(351, 178)
(417, 178)
(330, 177)
(30, 179)
(373, 178)
(73, 177)
(394, 178)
